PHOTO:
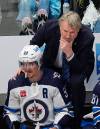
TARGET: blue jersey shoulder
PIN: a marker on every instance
(52, 78)
(96, 89)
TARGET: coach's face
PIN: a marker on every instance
(68, 33)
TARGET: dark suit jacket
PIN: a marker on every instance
(83, 62)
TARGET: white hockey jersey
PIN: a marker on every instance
(42, 101)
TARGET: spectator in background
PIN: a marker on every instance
(79, 6)
(33, 10)
(38, 93)
(92, 16)
(66, 6)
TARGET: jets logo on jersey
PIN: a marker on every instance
(36, 111)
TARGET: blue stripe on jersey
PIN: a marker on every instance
(96, 120)
(96, 114)
(63, 109)
(59, 109)
(11, 109)
(95, 108)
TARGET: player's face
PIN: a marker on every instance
(31, 69)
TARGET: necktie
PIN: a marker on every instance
(65, 69)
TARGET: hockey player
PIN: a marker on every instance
(96, 105)
(40, 94)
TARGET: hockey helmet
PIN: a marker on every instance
(30, 53)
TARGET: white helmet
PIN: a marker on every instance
(30, 53)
